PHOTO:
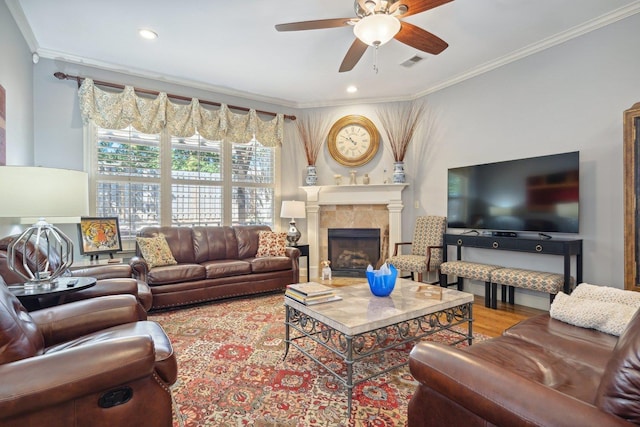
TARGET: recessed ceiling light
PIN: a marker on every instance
(147, 34)
(352, 89)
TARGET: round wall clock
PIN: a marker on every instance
(353, 140)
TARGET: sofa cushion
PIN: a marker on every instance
(155, 250)
(568, 375)
(180, 240)
(175, 274)
(247, 237)
(226, 268)
(593, 347)
(274, 263)
(271, 243)
(214, 243)
(619, 390)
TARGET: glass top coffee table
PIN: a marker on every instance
(375, 330)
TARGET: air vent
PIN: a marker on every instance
(412, 61)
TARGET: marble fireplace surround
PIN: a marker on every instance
(389, 195)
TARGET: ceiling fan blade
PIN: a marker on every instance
(420, 39)
(417, 6)
(315, 25)
(353, 55)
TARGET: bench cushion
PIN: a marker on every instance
(469, 270)
(551, 283)
(417, 263)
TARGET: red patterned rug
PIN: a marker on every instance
(231, 373)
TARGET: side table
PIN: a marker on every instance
(304, 251)
(40, 297)
(78, 265)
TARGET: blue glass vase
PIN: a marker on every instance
(382, 286)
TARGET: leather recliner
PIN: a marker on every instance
(112, 279)
(85, 363)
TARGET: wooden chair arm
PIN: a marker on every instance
(395, 250)
(429, 252)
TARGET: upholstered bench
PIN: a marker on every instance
(472, 271)
(551, 283)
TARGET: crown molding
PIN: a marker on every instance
(23, 24)
(108, 66)
(577, 31)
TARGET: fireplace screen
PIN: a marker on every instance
(351, 250)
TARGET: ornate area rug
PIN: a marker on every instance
(231, 372)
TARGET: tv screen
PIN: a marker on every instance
(535, 194)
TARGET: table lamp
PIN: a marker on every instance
(292, 209)
(31, 194)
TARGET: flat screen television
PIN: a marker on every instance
(535, 194)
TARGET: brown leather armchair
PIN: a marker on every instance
(86, 363)
(112, 279)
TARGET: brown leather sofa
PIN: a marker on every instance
(114, 279)
(213, 263)
(87, 363)
(540, 372)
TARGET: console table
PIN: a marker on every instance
(564, 247)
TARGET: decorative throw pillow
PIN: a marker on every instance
(156, 251)
(271, 243)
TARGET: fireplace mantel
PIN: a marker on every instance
(359, 194)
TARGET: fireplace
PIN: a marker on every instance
(351, 250)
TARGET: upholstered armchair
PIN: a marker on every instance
(426, 247)
(86, 363)
(113, 279)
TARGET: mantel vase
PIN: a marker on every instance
(312, 177)
(398, 173)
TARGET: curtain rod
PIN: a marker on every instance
(62, 76)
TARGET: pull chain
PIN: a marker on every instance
(375, 58)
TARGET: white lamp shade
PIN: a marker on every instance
(377, 29)
(292, 209)
(33, 192)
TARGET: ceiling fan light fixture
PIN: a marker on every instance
(376, 30)
(148, 34)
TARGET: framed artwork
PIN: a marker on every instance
(99, 235)
(3, 127)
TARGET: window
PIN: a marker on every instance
(194, 181)
(197, 181)
(127, 178)
(253, 177)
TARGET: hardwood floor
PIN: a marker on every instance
(492, 322)
(487, 321)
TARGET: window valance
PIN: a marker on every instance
(118, 110)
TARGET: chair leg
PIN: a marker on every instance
(512, 294)
(504, 293)
(419, 277)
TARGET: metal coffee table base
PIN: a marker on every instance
(352, 349)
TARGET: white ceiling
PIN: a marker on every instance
(232, 47)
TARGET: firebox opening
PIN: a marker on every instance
(351, 250)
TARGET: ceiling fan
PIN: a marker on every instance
(376, 23)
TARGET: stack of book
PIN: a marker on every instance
(311, 293)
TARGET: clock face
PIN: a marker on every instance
(353, 140)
